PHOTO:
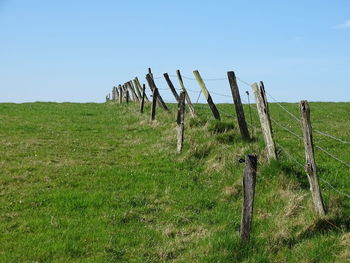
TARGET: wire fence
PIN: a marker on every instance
(274, 121)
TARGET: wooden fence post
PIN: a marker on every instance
(142, 98)
(139, 85)
(127, 96)
(190, 106)
(238, 106)
(206, 93)
(138, 90)
(150, 72)
(113, 94)
(154, 103)
(171, 86)
(153, 86)
(131, 87)
(310, 166)
(120, 94)
(116, 93)
(249, 179)
(264, 117)
(181, 121)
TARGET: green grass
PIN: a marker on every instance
(101, 183)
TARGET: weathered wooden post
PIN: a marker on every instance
(113, 94)
(139, 85)
(150, 72)
(206, 93)
(171, 86)
(264, 117)
(249, 179)
(153, 86)
(127, 96)
(238, 106)
(120, 94)
(310, 166)
(116, 93)
(131, 87)
(190, 106)
(154, 103)
(181, 121)
(143, 98)
(138, 90)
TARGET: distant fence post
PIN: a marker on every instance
(120, 94)
(238, 106)
(113, 94)
(139, 85)
(181, 121)
(154, 103)
(249, 179)
(310, 167)
(264, 117)
(137, 88)
(127, 96)
(190, 106)
(116, 93)
(206, 93)
(171, 86)
(142, 98)
(150, 72)
(131, 87)
(153, 86)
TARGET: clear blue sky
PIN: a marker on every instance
(77, 50)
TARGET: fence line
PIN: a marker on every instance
(293, 116)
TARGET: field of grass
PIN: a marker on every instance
(101, 183)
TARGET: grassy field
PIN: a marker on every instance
(101, 183)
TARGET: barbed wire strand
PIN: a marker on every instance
(302, 165)
(333, 156)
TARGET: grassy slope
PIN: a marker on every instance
(100, 183)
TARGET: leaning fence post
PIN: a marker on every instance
(187, 96)
(171, 86)
(113, 94)
(264, 117)
(150, 72)
(249, 179)
(131, 87)
(310, 166)
(120, 93)
(127, 96)
(139, 85)
(206, 93)
(154, 103)
(142, 98)
(153, 86)
(181, 121)
(238, 106)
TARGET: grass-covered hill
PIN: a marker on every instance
(101, 183)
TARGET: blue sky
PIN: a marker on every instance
(77, 50)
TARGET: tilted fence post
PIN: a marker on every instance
(238, 106)
(171, 86)
(153, 86)
(120, 94)
(131, 87)
(310, 166)
(181, 121)
(154, 103)
(142, 98)
(206, 93)
(139, 85)
(264, 117)
(127, 96)
(189, 103)
(249, 180)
